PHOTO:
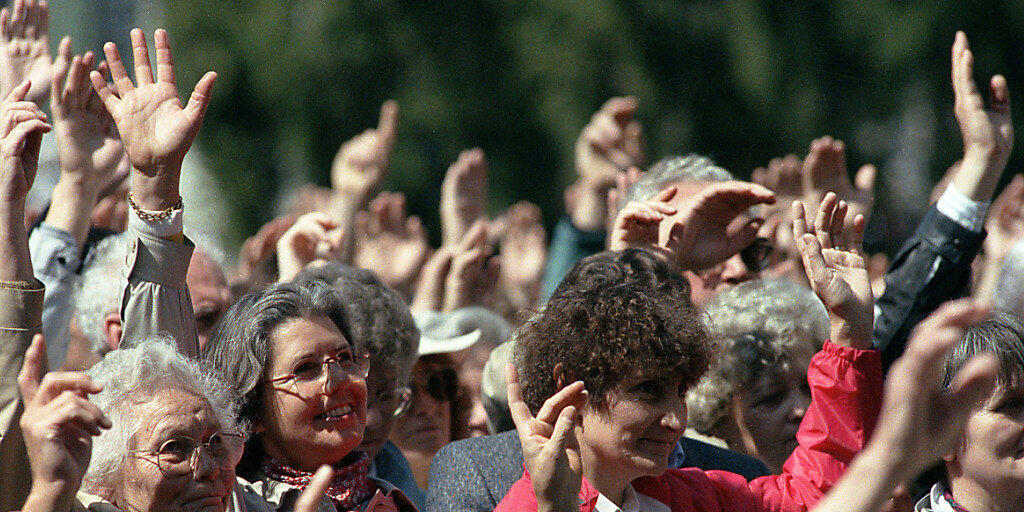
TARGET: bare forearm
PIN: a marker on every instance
(978, 176)
(590, 211)
(867, 484)
(71, 208)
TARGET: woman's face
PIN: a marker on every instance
(989, 464)
(426, 428)
(634, 431)
(313, 412)
(146, 484)
(768, 412)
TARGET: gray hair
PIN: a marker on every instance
(673, 169)
(377, 316)
(103, 280)
(761, 325)
(1002, 335)
(129, 377)
(239, 347)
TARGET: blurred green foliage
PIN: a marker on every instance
(742, 81)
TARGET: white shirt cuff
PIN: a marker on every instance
(963, 210)
(163, 228)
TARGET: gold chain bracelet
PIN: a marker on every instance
(154, 216)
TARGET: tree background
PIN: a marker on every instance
(742, 81)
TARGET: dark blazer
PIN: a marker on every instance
(473, 475)
(932, 267)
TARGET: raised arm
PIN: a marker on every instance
(919, 420)
(157, 131)
(934, 265)
(21, 296)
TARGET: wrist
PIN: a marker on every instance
(851, 334)
(52, 497)
(156, 190)
(979, 175)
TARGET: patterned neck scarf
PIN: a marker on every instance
(956, 506)
(350, 488)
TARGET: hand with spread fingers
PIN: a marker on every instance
(156, 129)
(58, 425)
(920, 421)
(25, 48)
(833, 258)
(550, 450)
(463, 195)
(89, 148)
(390, 243)
(362, 162)
(314, 237)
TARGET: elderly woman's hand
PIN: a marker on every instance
(58, 425)
(833, 258)
(156, 129)
(550, 449)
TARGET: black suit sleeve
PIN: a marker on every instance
(932, 267)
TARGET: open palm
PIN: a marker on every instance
(834, 261)
(156, 128)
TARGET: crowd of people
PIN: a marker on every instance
(686, 340)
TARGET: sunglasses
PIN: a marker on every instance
(442, 385)
(757, 255)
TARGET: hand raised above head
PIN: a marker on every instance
(362, 162)
(987, 134)
(22, 125)
(463, 195)
(156, 129)
(25, 48)
(833, 258)
(610, 143)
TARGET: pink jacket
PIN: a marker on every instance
(846, 391)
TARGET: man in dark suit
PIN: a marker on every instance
(473, 475)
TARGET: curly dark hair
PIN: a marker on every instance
(615, 314)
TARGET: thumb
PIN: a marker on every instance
(200, 98)
(313, 494)
(971, 386)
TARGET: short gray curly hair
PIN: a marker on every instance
(764, 324)
(131, 375)
(103, 280)
(673, 169)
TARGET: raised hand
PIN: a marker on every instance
(463, 195)
(22, 125)
(389, 243)
(524, 246)
(987, 134)
(711, 227)
(313, 237)
(156, 129)
(833, 258)
(430, 287)
(611, 143)
(58, 425)
(25, 48)
(257, 248)
(638, 225)
(824, 171)
(474, 273)
(362, 162)
(782, 176)
(920, 422)
(89, 146)
(550, 450)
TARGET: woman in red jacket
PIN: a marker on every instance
(605, 366)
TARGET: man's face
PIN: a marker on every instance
(211, 295)
(990, 461)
